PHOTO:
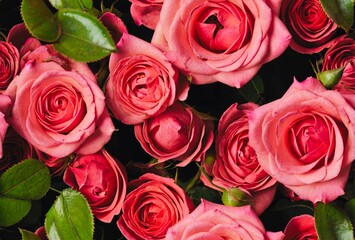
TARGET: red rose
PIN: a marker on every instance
(178, 133)
(301, 228)
(9, 63)
(59, 112)
(226, 41)
(102, 180)
(142, 83)
(342, 54)
(5, 103)
(214, 221)
(309, 25)
(306, 140)
(146, 12)
(236, 163)
(15, 149)
(154, 204)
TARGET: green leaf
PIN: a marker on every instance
(29, 179)
(74, 4)
(340, 11)
(84, 38)
(40, 21)
(69, 217)
(332, 222)
(350, 210)
(27, 235)
(236, 197)
(13, 210)
(330, 78)
(253, 90)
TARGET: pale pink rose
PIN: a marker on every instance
(59, 112)
(306, 140)
(226, 41)
(146, 12)
(142, 83)
(154, 204)
(236, 163)
(311, 29)
(5, 104)
(15, 149)
(178, 134)
(9, 63)
(342, 54)
(102, 179)
(301, 228)
(210, 221)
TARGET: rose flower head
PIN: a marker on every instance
(146, 12)
(5, 104)
(236, 163)
(306, 140)
(142, 82)
(102, 179)
(59, 112)
(301, 227)
(312, 30)
(342, 54)
(153, 205)
(9, 63)
(226, 41)
(215, 221)
(178, 134)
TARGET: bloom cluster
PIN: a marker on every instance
(129, 132)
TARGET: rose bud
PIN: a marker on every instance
(102, 179)
(301, 228)
(142, 82)
(306, 140)
(153, 205)
(215, 221)
(178, 133)
(9, 63)
(311, 29)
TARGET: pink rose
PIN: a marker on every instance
(214, 221)
(5, 104)
(15, 149)
(342, 54)
(114, 24)
(142, 83)
(236, 163)
(155, 204)
(311, 29)
(59, 112)
(306, 140)
(9, 63)
(301, 228)
(178, 133)
(146, 12)
(102, 180)
(226, 41)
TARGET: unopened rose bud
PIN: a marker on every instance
(330, 78)
(235, 197)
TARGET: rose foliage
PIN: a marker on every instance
(166, 119)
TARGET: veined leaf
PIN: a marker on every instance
(29, 179)
(13, 210)
(84, 38)
(69, 217)
(74, 4)
(40, 21)
(332, 222)
(340, 11)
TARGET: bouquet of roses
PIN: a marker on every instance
(167, 119)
